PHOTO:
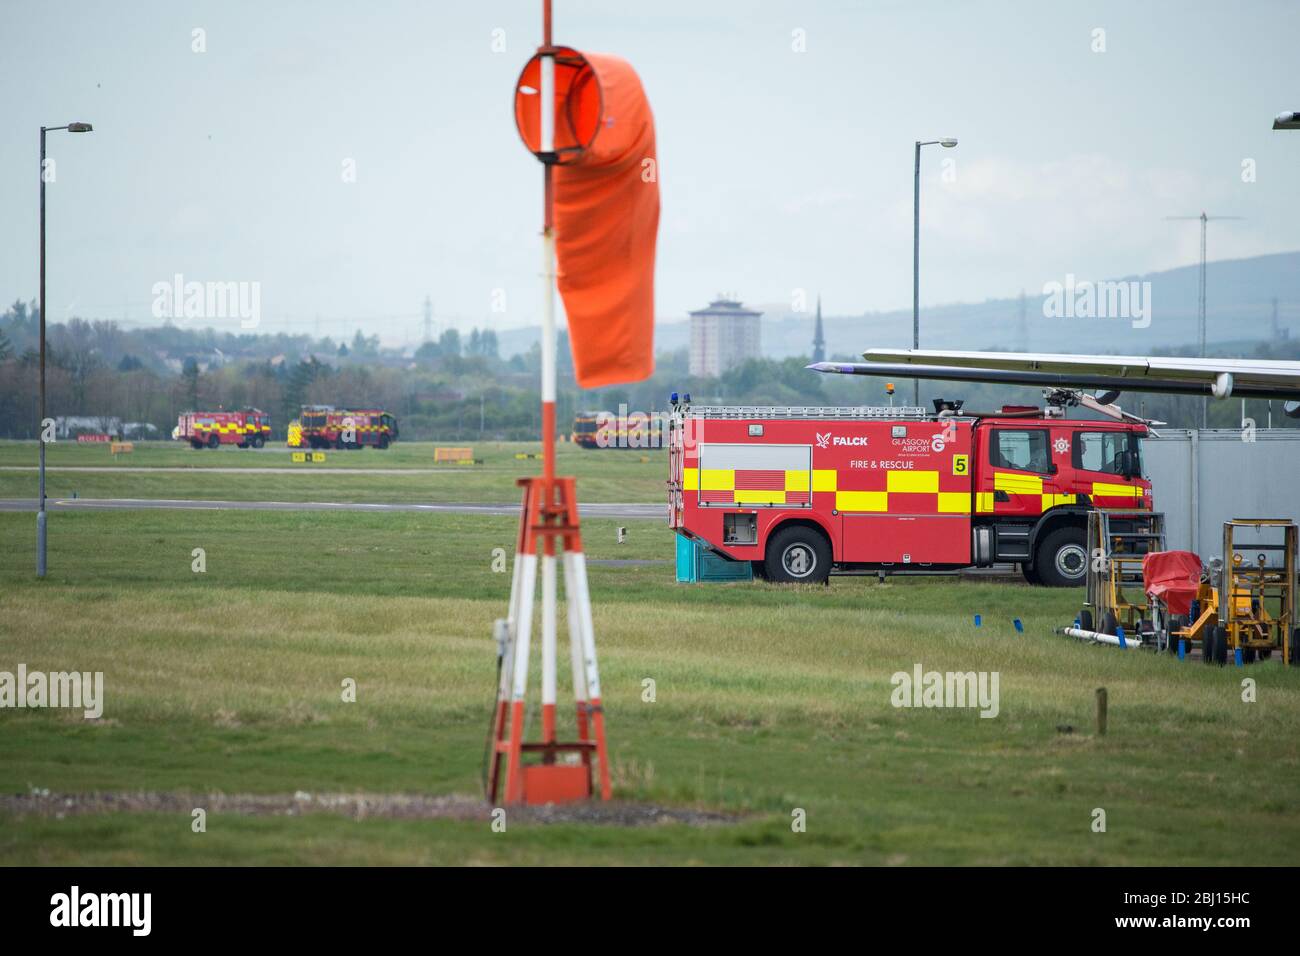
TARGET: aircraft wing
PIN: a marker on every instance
(1222, 378)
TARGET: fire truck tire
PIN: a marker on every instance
(1061, 560)
(798, 555)
(383, 442)
(258, 441)
(213, 441)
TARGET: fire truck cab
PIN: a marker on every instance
(803, 492)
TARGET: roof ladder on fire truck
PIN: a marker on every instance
(829, 412)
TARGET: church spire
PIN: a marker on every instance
(819, 341)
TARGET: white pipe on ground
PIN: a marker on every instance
(1099, 638)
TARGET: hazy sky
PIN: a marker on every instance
(780, 170)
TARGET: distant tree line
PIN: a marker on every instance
(454, 388)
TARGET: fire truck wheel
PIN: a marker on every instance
(1062, 559)
(196, 444)
(259, 441)
(213, 441)
(798, 555)
(383, 442)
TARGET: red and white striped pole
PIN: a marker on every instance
(550, 512)
(546, 105)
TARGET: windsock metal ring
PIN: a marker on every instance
(578, 105)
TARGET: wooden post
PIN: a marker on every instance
(1101, 711)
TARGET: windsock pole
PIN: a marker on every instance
(549, 514)
(547, 97)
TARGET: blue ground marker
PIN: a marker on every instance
(1236, 656)
(977, 620)
(1182, 649)
(1020, 628)
(1119, 632)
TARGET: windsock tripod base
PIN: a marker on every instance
(558, 771)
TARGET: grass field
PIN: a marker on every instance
(768, 700)
(620, 475)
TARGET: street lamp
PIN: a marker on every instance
(40, 514)
(948, 143)
(1286, 121)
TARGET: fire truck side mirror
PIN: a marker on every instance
(1128, 461)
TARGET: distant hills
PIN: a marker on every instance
(1240, 310)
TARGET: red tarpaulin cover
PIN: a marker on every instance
(1172, 576)
(606, 210)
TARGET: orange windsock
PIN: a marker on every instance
(606, 207)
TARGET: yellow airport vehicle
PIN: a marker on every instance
(1118, 541)
(1259, 615)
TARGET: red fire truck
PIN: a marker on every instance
(804, 491)
(245, 428)
(610, 430)
(326, 427)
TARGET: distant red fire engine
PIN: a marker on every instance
(249, 427)
(618, 430)
(326, 427)
(804, 491)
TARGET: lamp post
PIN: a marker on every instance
(916, 251)
(1287, 120)
(40, 513)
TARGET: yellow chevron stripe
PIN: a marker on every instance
(717, 479)
(1106, 490)
(824, 479)
(862, 500)
(1017, 484)
(760, 497)
(923, 482)
(954, 502)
